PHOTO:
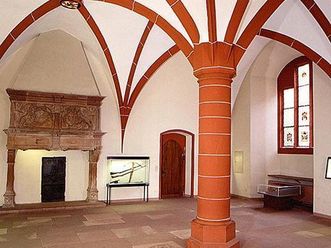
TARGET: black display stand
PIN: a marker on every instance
(123, 185)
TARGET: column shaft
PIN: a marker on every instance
(214, 148)
(9, 196)
(92, 190)
(213, 226)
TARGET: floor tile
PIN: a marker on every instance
(182, 234)
(308, 234)
(159, 224)
(170, 244)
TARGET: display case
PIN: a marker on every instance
(128, 169)
(279, 191)
(279, 197)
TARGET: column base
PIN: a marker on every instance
(9, 200)
(92, 195)
(213, 235)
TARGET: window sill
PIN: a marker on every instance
(296, 150)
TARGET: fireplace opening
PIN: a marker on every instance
(53, 179)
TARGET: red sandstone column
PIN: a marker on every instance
(213, 226)
(9, 196)
(92, 190)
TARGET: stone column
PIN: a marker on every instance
(92, 190)
(213, 226)
(9, 196)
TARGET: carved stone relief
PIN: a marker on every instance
(53, 121)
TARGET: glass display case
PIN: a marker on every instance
(279, 191)
(128, 169)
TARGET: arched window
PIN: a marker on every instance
(295, 107)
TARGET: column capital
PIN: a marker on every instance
(94, 155)
(214, 60)
(11, 155)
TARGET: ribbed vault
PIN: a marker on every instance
(136, 37)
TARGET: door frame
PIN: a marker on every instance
(184, 133)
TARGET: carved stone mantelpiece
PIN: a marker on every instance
(53, 121)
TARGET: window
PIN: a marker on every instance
(295, 108)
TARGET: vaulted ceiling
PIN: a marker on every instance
(136, 37)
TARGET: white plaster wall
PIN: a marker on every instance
(28, 166)
(28, 174)
(255, 124)
(322, 137)
(241, 140)
(6, 74)
(258, 130)
(56, 63)
(168, 101)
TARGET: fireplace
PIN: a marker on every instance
(53, 122)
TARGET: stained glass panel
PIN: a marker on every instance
(303, 75)
(288, 117)
(289, 98)
(304, 116)
(289, 137)
(304, 136)
(304, 95)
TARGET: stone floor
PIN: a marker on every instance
(159, 224)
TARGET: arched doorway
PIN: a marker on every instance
(176, 164)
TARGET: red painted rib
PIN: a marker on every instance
(319, 16)
(126, 110)
(235, 20)
(94, 27)
(186, 19)
(175, 35)
(149, 73)
(211, 12)
(25, 23)
(300, 47)
(136, 60)
(257, 22)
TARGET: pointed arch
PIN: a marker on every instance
(173, 33)
(319, 16)
(94, 27)
(149, 73)
(43, 10)
(25, 23)
(126, 110)
(300, 47)
(136, 58)
(257, 22)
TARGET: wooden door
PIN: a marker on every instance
(173, 166)
(53, 179)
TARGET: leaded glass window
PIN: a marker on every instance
(295, 107)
